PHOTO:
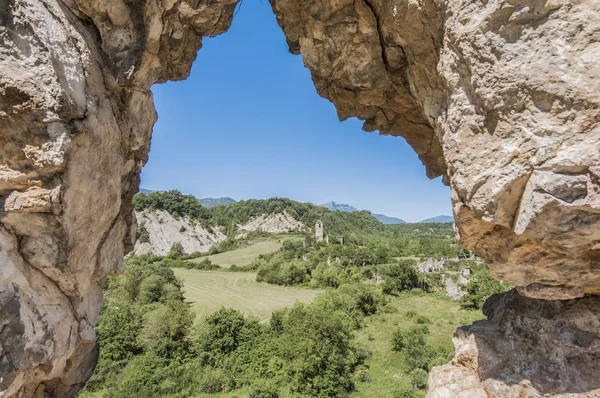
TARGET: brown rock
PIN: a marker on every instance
(526, 348)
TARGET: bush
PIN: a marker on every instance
(142, 235)
(262, 388)
(212, 381)
(397, 340)
(480, 287)
(176, 251)
(405, 392)
(413, 345)
(223, 332)
(418, 378)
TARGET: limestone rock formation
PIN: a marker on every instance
(76, 115)
(163, 230)
(272, 223)
(500, 97)
(526, 348)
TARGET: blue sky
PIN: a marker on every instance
(248, 123)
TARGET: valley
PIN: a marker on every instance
(275, 298)
(210, 290)
(244, 255)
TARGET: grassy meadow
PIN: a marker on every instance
(211, 290)
(245, 255)
(385, 367)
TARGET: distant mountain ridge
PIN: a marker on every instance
(439, 219)
(333, 206)
(387, 219)
(211, 202)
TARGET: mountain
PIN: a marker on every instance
(146, 191)
(388, 220)
(211, 202)
(439, 219)
(333, 206)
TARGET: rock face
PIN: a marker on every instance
(163, 231)
(273, 223)
(76, 115)
(526, 348)
(501, 98)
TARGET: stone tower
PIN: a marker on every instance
(319, 235)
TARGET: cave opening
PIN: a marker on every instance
(510, 120)
(248, 123)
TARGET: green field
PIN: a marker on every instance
(247, 254)
(386, 367)
(211, 290)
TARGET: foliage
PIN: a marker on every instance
(480, 287)
(150, 349)
(338, 223)
(176, 251)
(418, 355)
(173, 202)
(142, 234)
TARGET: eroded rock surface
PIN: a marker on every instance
(526, 348)
(501, 98)
(274, 223)
(163, 230)
(76, 115)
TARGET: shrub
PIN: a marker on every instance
(397, 340)
(262, 388)
(151, 289)
(176, 251)
(405, 392)
(418, 378)
(413, 345)
(142, 235)
(212, 382)
(222, 332)
(480, 287)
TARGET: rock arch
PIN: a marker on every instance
(500, 98)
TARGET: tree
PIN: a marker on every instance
(176, 251)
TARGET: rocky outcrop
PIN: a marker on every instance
(275, 223)
(161, 230)
(501, 98)
(76, 114)
(526, 348)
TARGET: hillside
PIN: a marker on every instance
(336, 222)
(274, 223)
(158, 231)
(438, 219)
(169, 217)
(334, 206)
(212, 202)
(388, 220)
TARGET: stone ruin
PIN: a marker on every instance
(319, 231)
(500, 98)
